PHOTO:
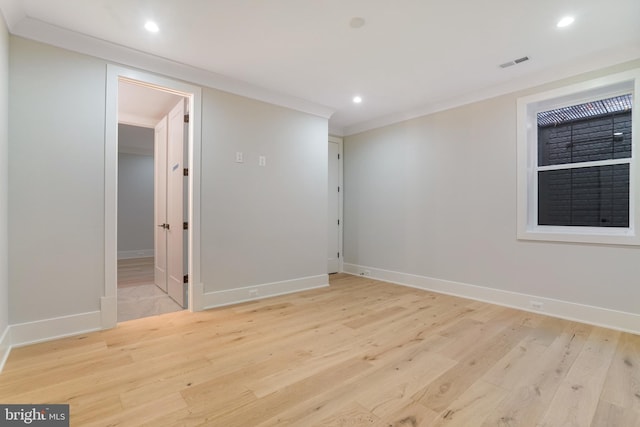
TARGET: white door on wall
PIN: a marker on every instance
(169, 204)
(176, 286)
(333, 252)
(160, 204)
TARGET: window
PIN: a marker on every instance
(576, 163)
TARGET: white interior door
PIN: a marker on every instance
(333, 216)
(160, 204)
(176, 288)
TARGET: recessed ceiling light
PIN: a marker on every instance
(565, 22)
(357, 99)
(152, 27)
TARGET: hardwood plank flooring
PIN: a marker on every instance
(359, 353)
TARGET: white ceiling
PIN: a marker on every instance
(410, 57)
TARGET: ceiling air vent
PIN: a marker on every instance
(514, 62)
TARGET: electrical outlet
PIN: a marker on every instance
(262, 161)
(537, 305)
(239, 157)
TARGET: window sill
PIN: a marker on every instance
(589, 235)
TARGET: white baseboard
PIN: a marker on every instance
(58, 327)
(598, 316)
(143, 253)
(5, 346)
(250, 293)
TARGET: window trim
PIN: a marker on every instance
(527, 160)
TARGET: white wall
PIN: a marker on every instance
(135, 193)
(56, 196)
(435, 197)
(135, 205)
(4, 188)
(259, 225)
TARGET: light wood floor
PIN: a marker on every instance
(360, 353)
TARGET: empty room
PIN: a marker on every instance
(304, 213)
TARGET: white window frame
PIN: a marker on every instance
(527, 168)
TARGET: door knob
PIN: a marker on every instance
(165, 226)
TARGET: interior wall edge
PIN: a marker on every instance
(109, 311)
(196, 296)
(597, 316)
(5, 346)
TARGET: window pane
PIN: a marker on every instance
(591, 197)
(622, 136)
(599, 130)
(601, 138)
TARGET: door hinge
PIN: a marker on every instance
(185, 279)
(338, 189)
(338, 156)
(338, 254)
(186, 118)
(185, 172)
(338, 222)
(185, 225)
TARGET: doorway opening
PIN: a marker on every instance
(152, 134)
(152, 218)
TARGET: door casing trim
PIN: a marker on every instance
(108, 303)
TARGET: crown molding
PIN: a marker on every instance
(591, 63)
(21, 25)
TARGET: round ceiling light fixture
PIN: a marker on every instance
(152, 27)
(357, 22)
(565, 22)
(357, 99)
